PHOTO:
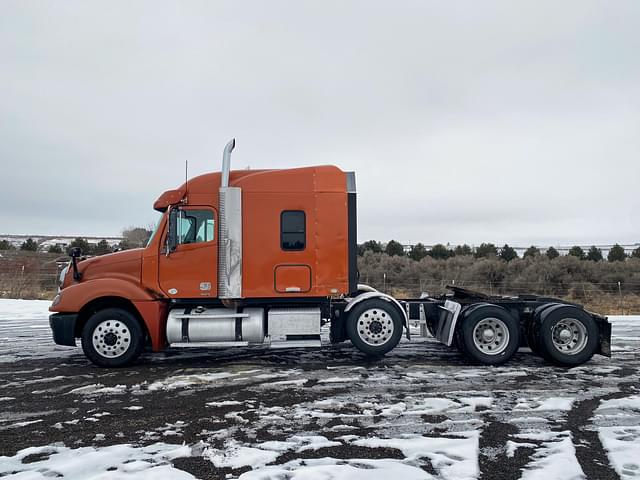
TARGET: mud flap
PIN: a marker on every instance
(447, 322)
(605, 339)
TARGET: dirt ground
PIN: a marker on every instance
(248, 410)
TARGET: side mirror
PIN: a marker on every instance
(75, 253)
(172, 234)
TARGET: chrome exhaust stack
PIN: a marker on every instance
(230, 236)
(226, 162)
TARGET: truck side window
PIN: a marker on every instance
(292, 230)
(195, 226)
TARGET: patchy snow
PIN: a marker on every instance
(236, 455)
(476, 402)
(99, 389)
(312, 442)
(224, 403)
(115, 462)
(511, 447)
(339, 379)
(625, 403)
(257, 411)
(545, 404)
(555, 459)
(183, 381)
(452, 457)
(336, 469)
(623, 449)
(556, 403)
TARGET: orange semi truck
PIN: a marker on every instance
(270, 256)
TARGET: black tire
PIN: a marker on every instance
(371, 321)
(112, 337)
(574, 349)
(534, 326)
(489, 350)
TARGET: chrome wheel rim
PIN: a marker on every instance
(111, 338)
(375, 327)
(491, 336)
(569, 336)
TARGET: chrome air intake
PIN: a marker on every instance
(230, 236)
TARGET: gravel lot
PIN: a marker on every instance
(421, 412)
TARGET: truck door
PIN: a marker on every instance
(191, 270)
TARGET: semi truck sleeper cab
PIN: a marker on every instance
(267, 257)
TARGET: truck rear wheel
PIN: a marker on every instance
(567, 336)
(112, 338)
(489, 335)
(534, 325)
(374, 326)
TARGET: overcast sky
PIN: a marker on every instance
(508, 121)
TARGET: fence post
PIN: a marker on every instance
(620, 293)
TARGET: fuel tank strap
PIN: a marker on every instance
(239, 326)
(185, 325)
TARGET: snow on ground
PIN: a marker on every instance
(335, 469)
(555, 459)
(422, 412)
(623, 449)
(25, 332)
(109, 463)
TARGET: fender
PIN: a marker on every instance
(375, 294)
(76, 296)
(363, 287)
(455, 314)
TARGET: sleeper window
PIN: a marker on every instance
(292, 230)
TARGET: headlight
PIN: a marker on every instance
(56, 300)
(63, 273)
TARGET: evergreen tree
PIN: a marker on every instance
(372, 245)
(82, 244)
(5, 245)
(54, 249)
(552, 253)
(418, 252)
(102, 247)
(394, 249)
(594, 254)
(531, 252)
(636, 253)
(136, 237)
(577, 252)
(508, 253)
(616, 254)
(440, 252)
(29, 245)
(462, 250)
(486, 250)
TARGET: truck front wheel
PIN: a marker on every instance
(112, 338)
(374, 326)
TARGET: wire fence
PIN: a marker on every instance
(620, 298)
(35, 275)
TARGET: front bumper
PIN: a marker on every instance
(63, 326)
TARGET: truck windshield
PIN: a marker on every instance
(155, 230)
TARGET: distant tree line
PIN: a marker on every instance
(132, 237)
(489, 250)
(565, 276)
